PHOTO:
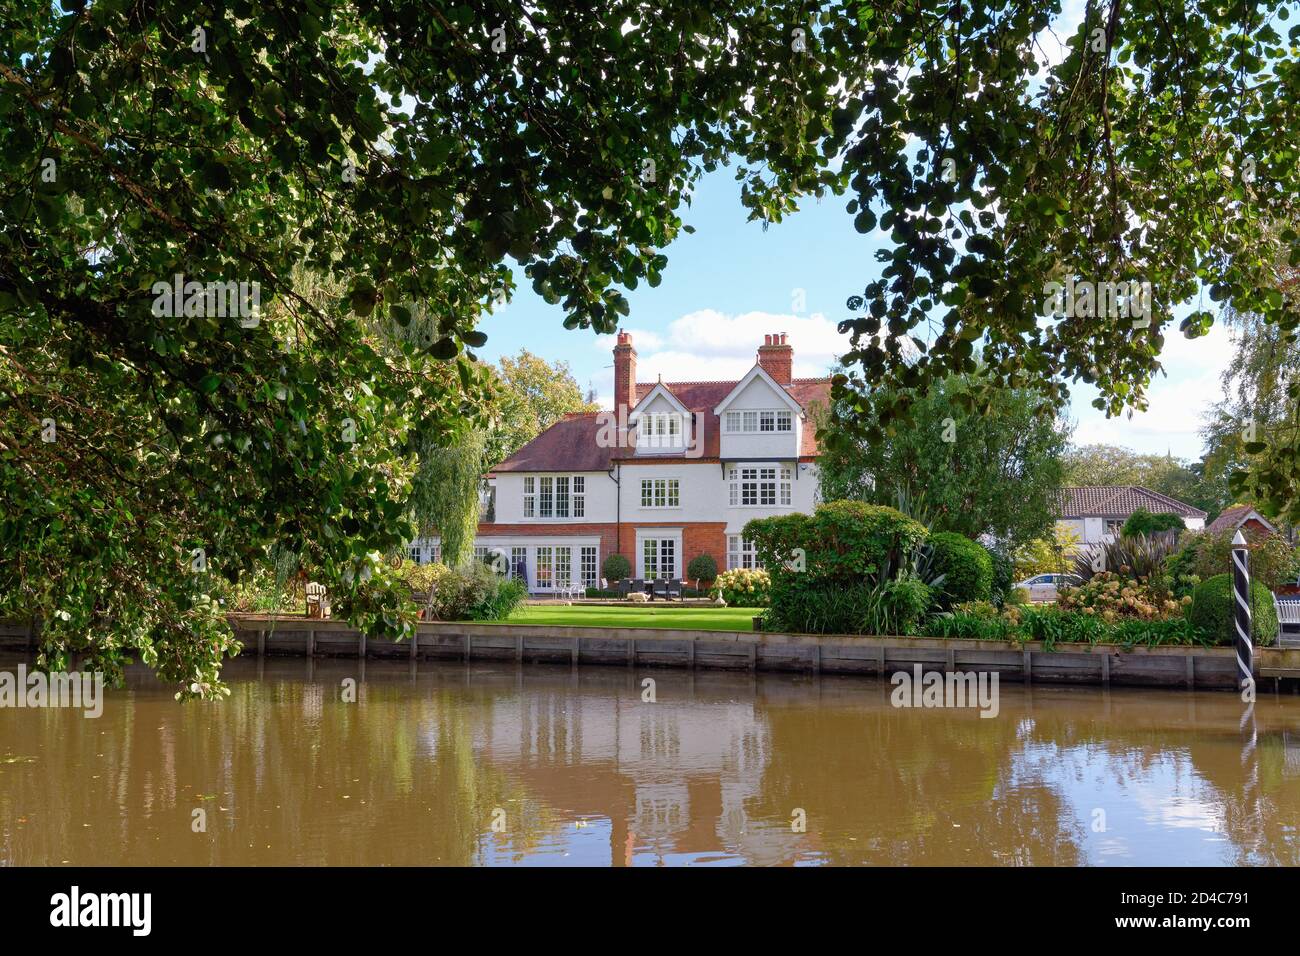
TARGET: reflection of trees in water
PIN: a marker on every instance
(883, 786)
(307, 781)
(1251, 786)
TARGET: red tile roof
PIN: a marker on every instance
(1235, 517)
(1120, 501)
(570, 444)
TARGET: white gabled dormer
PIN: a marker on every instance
(662, 422)
(759, 420)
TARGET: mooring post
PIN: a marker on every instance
(1105, 668)
(311, 643)
(1191, 671)
(573, 657)
(519, 648)
(467, 646)
(1241, 611)
(361, 645)
(261, 642)
(1029, 667)
(817, 659)
(415, 641)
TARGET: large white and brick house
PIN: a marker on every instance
(674, 470)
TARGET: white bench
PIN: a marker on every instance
(1288, 611)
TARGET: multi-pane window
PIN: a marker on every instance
(555, 496)
(425, 551)
(519, 564)
(660, 430)
(659, 557)
(545, 567)
(563, 567)
(759, 486)
(741, 553)
(589, 567)
(660, 493)
(760, 421)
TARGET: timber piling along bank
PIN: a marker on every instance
(1188, 667)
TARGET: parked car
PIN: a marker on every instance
(1042, 587)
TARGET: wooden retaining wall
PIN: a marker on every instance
(1212, 667)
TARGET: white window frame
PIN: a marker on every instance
(556, 497)
(760, 486)
(661, 493)
(765, 421)
(741, 553)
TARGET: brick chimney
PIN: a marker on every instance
(776, 357)
(624, 374)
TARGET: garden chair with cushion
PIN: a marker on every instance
(675, 589)
(660, 589)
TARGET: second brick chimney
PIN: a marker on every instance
(624, 374)
(776, 357)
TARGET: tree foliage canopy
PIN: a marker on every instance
(402, 151)
(996, 470)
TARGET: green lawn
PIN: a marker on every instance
(697, 618)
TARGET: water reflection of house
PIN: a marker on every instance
(674, 778)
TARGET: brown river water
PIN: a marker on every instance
(448, 764)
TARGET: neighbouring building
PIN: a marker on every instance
(1244, 517)
(1095, 513)
(674, 470)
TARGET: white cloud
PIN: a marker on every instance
(1177, 403)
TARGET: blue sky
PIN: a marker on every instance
(731, 282)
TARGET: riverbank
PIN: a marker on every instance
(1104, 664)
(1173, 666)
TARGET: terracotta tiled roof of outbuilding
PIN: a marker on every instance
(1120, 501)
(1235, 517)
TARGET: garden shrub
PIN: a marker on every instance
(473, 593)
(965, 565)
(616, 568)
(702, 569)
(1180, 568)
(1212, 610)
(889, 608)
(744, 587)
(1004, 575)
(825, 566)
(1272, 560)
(1142, 521)
(841, 541)
(1052, 626)
(1112, 597)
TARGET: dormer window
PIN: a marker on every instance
(660, 430)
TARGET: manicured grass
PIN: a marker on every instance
(696, 618)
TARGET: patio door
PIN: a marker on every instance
(659, 558)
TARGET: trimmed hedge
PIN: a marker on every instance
(1211, 611)
(966, 567)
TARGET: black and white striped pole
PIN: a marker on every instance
(1241, 612)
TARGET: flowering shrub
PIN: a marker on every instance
(1113, 598)
(743, 587)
